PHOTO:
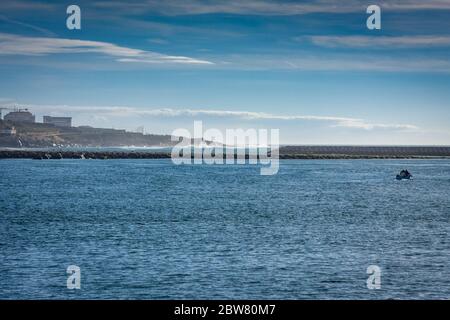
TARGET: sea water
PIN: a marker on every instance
(148, 229)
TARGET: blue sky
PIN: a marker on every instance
(310, 68)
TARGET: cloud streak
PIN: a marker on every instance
(16, 45)
(117, 111)
(238, 7)
(333, 61)
(41, 46)
(18, 5)
(265, 7)
(26, 25)
(379, 41)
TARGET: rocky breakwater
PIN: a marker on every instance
(57, 155)
(284, 154)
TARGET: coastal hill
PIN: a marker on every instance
(41, 135)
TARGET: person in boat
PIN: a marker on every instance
(404, 174)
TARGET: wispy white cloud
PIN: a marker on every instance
(120, 111)
(378, 41)
(333, 61)
(38, 46)
(27, 25)
(166, 59)
(249, 7)
(264, 7)
(362, 124)
(18, 5)
(15, 45)
(415, 4)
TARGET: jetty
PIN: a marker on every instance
(285, 152)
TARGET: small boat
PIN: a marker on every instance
(404, 174)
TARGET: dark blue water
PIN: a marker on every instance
(147, 229)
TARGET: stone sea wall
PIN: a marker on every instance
(55, 155)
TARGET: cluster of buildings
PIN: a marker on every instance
(58, 121)
(25, 116)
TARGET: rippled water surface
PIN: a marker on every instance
(147, 229)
